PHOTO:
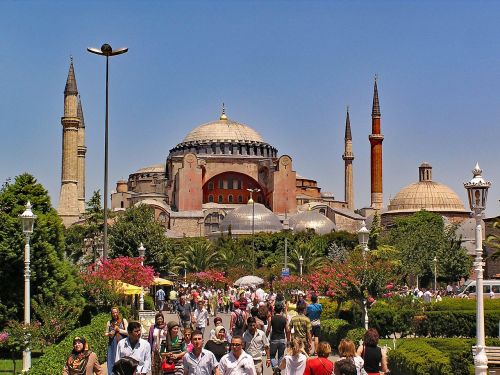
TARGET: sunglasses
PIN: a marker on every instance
(235, 344)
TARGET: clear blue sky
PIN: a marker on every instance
(286, 68)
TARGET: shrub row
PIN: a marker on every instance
(453, 323)
(334, 330)
(433, 356)
(52, 362)
(462, 304)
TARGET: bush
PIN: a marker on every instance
(149, 302)
(461, 304)
(389, 320)
(356, 335)
(52, 362)
(334, 330)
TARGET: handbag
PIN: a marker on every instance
(167, 366)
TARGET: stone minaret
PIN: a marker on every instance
(68, 198)
(376, 138)
(348, 157)
(82, 150)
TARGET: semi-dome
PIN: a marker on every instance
(426, 194)
(240, 220)
(223, 131)
(157, 168)
(312, 219)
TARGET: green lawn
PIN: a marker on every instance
(7, 366)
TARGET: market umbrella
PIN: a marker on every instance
(160, 281)
(124, 288)
(249, 281)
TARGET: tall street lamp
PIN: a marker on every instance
(253, 223)
(28, 221)
(363, 236)
(301, 263)
(435, 260)
(107, 51)
(142, 253)
(477, 191)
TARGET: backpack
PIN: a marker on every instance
(240, 322)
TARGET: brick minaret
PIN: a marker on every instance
(68, 198)
(348, 157)
(376, 138)
(82, 150)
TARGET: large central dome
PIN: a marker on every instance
(223, 130)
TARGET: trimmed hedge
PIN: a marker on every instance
(52, 362)
(461, 304)
(434, 356)
(334, 330)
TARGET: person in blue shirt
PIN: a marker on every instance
(314, 310)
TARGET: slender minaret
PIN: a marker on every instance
(68, 198)
(82, 150)
(348, 157)
(376, 138)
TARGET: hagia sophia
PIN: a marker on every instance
(225, 177)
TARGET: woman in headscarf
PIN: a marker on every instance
(116, 329)
(155, 337)
(218, 343)
(172, 350)
(82, 361)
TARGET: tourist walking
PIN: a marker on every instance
(160, 299)
(136, 347)
(301, 327)
(156, 336)
(237, 361)
(200, 361)
(320, 365)
(238, 319)
(82, 361)
(279, 333)
(218, 343)
(185, 312)
(172, 350)
(256, 343)
(200, 317)
(294, 362)
(313, 312)
(348, 350)
(116, 330)
(375, 358)
(125, 366)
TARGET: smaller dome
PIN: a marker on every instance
(312, 219)
(157, 168)
(240, 220)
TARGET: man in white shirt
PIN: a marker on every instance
(259, 294)
(135, 347)
(237, 362)
(256, 342)
(427, 296)
(199, 361)
(200, 317)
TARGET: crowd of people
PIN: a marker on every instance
(264, 330)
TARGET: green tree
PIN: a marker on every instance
(198, 256)
(375, 230)
(453, 260)
(53, 279)
(138, 224)
(312, 255)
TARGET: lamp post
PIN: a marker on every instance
(477, 191)
(28, 221)
(142, 253)
(363, 236)
(253, 223)
(100, 252)
(107, 51)
(301, 263)
(435, 274)
(286, 228)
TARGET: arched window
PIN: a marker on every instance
(221, 199)
(240, 199)
(322, 211)
(230, 199)
(259, 199)
(121, 204)
(211, 185)
(221, 184)
(210, 198)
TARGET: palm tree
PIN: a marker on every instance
(197, 257)
(313, 257)
(234, 255)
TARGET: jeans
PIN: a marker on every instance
(277, 346)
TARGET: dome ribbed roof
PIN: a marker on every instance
(306, 220)
(240, 220)
(428, 195)
(223, 130)
(157, 168)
